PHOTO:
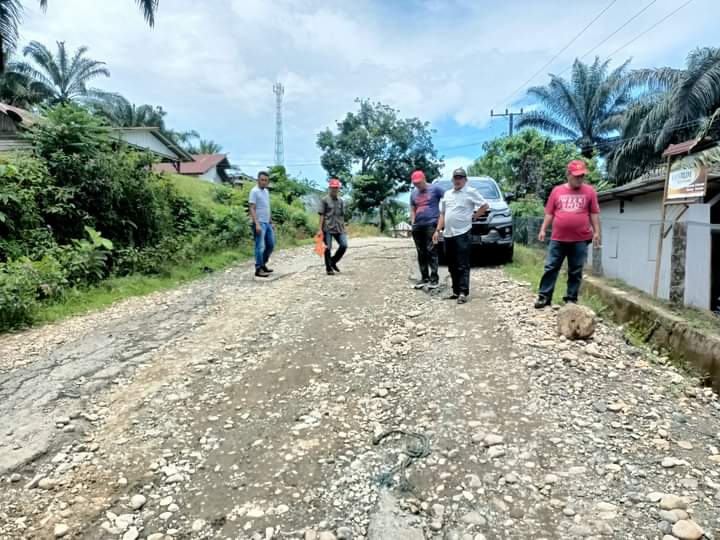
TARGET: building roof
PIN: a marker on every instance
(646, 184)
(18, 115)
(201, 164)
(178, 152)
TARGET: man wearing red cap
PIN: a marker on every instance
(574, 213)
(424, 213)
(332, 225)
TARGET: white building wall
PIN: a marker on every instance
(144, 139)
(630, 246)
(212, 176)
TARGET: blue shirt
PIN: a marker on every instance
(261, 199)
(426, 204)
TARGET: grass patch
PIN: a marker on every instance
(528, 265)
(81, 301)
(358, 230)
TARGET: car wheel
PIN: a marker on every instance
(507, 253)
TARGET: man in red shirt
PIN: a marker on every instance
(574, 213)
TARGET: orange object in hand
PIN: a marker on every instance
(320, 246)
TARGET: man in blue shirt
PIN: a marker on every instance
(424, 212)
(262, 225)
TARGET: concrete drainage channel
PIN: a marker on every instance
(389, 522)
(700, 350)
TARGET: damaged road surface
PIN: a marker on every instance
(245, 409)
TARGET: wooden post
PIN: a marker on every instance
(661, 231)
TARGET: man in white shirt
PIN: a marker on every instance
(458, 208)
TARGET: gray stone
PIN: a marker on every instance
(137, 502)
(131, 534)
(60, 530)
(671, 502)
(474, 518)
(15, 477)
(344, 533)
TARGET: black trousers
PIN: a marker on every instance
(426, 252)
(457, 251)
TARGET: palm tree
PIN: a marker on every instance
(62, 78)
(119, 112)
(11, 15)
(586, 109)
(205, 147)
(18, 89)
(673, 105)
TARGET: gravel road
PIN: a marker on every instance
(245, 409)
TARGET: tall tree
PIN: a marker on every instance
(378, 150)
(586, 109)
(673, 105)
(63, 78)
(119, 112)
(530, 163)
(11, 16)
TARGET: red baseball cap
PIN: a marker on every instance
(417, 176)
(334, 183)
(577, 167)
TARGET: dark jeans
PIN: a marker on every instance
(264, 244)
(576, 253)
(426, 252)
(342, 247)
(457, 251)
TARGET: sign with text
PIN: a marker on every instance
(687, 183)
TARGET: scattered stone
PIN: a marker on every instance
(474, 518)
(15, 478)
(137, 502)
(493, 439)
(131, 534)
(198, 525)
(671, 502)
(687, 530)
(344, 533)
(60, 530)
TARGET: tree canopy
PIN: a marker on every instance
(377, 150)
(586, 109)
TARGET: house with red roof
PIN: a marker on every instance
(208, 167)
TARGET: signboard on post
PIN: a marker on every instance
(686, 185)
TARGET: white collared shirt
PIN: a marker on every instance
(459, 207)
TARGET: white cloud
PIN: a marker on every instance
(212, 63)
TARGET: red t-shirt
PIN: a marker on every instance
(571, 209)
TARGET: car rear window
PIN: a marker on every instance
(486, 189)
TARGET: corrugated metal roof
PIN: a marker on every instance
(201, 164)
(179, 151)
(680, 148)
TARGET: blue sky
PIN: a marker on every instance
(212, 63)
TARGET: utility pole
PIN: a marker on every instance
(279, 91)
(510, 116)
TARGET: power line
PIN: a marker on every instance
(566, 47)
(665, 18)
(596, 47)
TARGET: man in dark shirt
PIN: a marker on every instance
(424, 212)
(332, 225)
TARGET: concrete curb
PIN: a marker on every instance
(697, 348)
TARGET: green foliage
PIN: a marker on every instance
(383, 148)
(290, 189)
(672, 105)
(86, 261)
(529, 163)
(528, 206)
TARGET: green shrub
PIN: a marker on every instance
(528, 206)
(87, 261)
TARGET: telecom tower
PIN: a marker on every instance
(279, 90)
